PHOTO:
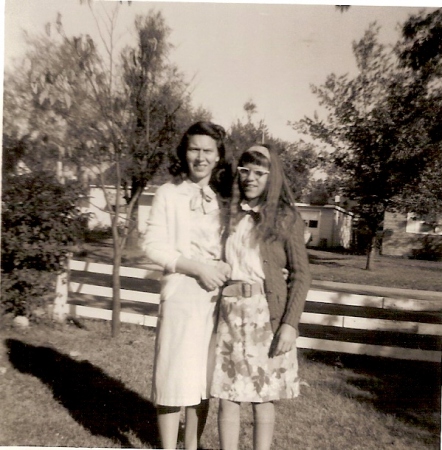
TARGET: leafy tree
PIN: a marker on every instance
(379, 130)
(40, 222)
(321, 190)
(38, 103)
(299, 159)
(420, 51)
(22, 124)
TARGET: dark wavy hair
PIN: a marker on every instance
(278, 211)
(221, 179)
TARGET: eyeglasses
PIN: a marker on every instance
(244, 172)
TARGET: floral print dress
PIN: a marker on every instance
(243, 371)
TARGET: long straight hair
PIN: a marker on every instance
(278, 211)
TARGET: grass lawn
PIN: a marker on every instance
(66, 386)
(387, 271)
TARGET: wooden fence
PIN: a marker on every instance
(358, 323)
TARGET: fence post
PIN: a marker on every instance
(61, 307)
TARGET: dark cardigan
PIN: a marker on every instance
(286, 299)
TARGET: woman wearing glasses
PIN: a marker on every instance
(256, 356)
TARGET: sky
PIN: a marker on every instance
(234, 52)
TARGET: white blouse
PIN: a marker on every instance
(243, 254)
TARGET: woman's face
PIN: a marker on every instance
(202, 157)
(253, 180)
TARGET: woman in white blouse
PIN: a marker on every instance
(184, 237)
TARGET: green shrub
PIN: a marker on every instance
(40, 222)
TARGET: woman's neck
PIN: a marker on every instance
(202, 183)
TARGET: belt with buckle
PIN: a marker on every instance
(242, 289)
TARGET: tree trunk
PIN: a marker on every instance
(116, 285)
(371, 251)
(132, 237)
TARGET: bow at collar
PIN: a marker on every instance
(252, 212)
(205, 199)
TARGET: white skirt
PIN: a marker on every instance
(184, 348)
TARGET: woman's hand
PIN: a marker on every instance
(283, 341)
(224, 268)
(212, 277)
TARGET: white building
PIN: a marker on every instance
(329, 225)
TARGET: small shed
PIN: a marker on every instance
(330, 226)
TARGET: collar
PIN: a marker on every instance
(246, 207)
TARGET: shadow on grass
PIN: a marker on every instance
(409, 390)
(330, 262)
(98, 402)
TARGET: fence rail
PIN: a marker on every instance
(403, 328)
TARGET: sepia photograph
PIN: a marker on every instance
(221, 225)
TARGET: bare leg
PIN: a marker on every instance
(168, 424)
(196, 417)
(264, 423)
(228, 424)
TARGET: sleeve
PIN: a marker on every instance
(157, 241)
(299, 274)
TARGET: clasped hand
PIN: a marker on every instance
(214, 276)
